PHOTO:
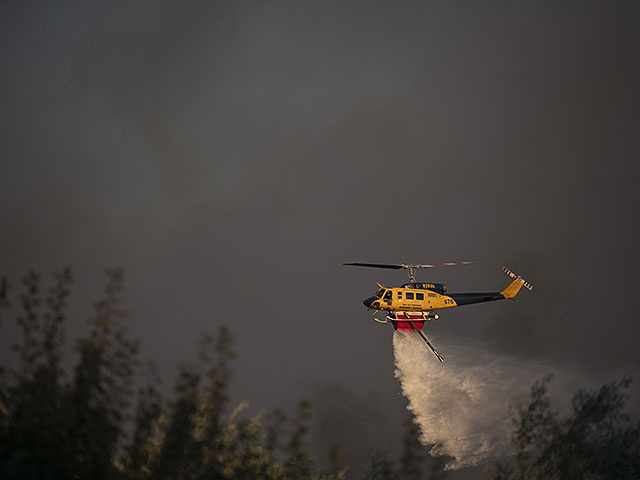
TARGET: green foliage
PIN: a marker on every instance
(102, 385)
(34, 436)
(380, 468)
(594, 441)
(274, 427)
(414, 462)
(412, 451)
(298, 464)
(52, 427)
(337, 457)
(145, 443)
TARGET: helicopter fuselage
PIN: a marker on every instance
(412, 304)
(425, 297)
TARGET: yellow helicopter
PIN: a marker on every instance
(414, 303)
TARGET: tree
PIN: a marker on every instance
(79, 425)
(33, 434)
(380, 468)
(594, 441)
(415, 462)
(299, 464)
(101, 389)
(145, 444)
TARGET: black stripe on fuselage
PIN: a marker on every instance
(469, 298)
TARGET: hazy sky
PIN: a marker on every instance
(231, 156)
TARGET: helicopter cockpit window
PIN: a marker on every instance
(379, 293)
(387, 297)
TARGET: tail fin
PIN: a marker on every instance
(514, 287)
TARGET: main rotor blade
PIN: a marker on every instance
(398, 266)
(448, 264)
(376, 265)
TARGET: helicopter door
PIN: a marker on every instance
(388, 297)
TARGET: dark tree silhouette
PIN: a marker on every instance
(141, 453)
(34, 434)
(299, 464)
(274, 427)
(337, 457)
(380, 468)
(55, 427)
(594, 441)
(414, 462)
(102, 385)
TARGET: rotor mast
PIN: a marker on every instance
(412, 277)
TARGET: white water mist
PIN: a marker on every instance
(465, 406)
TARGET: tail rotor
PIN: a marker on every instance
(513, 275)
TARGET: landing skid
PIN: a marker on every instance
(426, 340)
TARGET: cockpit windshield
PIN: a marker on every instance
(379, 293)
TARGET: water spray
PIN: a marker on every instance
(464, 407)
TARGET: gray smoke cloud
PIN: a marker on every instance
(465, 406)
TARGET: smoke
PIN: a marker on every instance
(465, 406)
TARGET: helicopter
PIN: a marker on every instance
(413, 303)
